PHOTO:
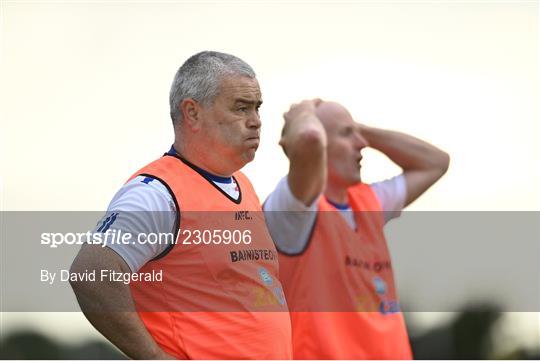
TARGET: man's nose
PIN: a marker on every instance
(254, 120)
(360, 141)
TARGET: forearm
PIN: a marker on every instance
(307, 163)
(422, 163)
(408, 152)
(109, 306)
(304, 141)
(117, 320)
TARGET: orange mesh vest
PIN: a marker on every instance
(340, 289)
(216, 300)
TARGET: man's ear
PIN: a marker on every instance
(282, 141)
(191, 112)
(282, 144)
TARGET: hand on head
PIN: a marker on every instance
(304, 108)
(300, 111)
(299, 119)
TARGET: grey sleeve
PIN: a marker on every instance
(289, 221)
(391, 194)
(140, 209)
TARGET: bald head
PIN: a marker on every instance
(344, 144)
(332, 113)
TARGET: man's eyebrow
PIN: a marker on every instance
(249, 101)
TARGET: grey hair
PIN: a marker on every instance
(200, 76)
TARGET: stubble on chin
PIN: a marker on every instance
(249, 155)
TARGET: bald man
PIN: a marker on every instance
(328, 228)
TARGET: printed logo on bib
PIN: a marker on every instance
(253, 255)
(386, 305)
(280, 296)
(265, 276)
(380, 285)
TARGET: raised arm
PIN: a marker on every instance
(422, 163)
(109, 306)
(304, 143)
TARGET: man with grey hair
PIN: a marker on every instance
(200, 293)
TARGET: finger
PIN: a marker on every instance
(317, 101)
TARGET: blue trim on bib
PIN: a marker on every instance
(212, 177)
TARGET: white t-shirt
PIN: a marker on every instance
(291, 230)
(144, 206)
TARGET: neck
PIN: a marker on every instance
(197, 157)
(336, 193)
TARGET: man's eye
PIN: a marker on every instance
(242, 109)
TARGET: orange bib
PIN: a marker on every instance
(340, 289)
(217, 299)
